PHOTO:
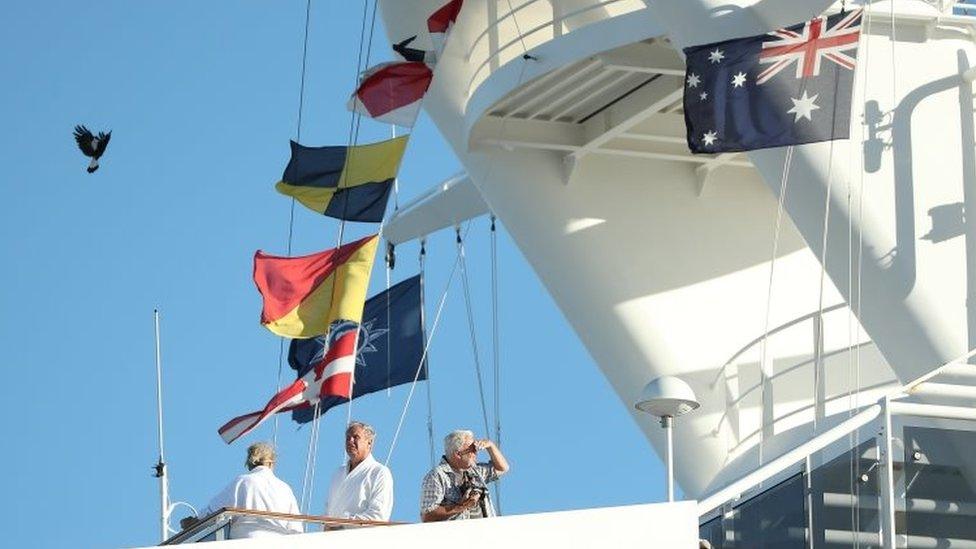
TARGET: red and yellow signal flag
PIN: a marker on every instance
(304, 295)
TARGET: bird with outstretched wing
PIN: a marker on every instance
(412, 54)
(91, 145)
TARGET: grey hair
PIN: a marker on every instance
(455, 440)
(370, 432)
(260, 453)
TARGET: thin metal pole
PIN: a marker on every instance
(808, 484)
(668, 423)
(494, 353)
(161, 464)
(423, 331)
(887, 517)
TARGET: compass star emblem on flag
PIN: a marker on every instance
(367, 336)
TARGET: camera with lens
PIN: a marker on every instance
(472, 485)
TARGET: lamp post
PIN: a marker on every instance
(667, 397)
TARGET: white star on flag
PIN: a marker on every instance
(803, 107)
(716, 56)
(739, 80)
(709, 138)
(693, 80)
(703, 96)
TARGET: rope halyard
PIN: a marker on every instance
(472, 332)
(423, 325)
(820, 394)
(423, 356)
(306, 498)
(495, 351)
(855, 435)
(312, 455)
(764, 370)
(486, 178)
(291, 213)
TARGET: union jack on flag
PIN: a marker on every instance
(332, 375)
(818, 40)
(741, 95)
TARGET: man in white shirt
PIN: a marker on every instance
(261, 490)
(361, 488)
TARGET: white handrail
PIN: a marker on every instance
(823, 440)
(788, 459)
(932, 411)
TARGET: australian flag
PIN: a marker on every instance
(391, 343)
(786, 87)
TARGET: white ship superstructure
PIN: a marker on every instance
(809, 360)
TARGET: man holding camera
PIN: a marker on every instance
(457, 489)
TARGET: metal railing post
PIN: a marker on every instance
(887, 476)
(808, 488)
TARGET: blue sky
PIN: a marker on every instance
(202, 99)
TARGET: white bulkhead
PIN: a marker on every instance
(661, 261)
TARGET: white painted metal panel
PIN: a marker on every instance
(445, 205)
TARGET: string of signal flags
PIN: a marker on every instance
(319, 300)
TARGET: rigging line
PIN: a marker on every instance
(852, 467)
(301, 89)
(311, 458)
(396, 178)
(355, 120)
(856, 486)
(389, 257)
(423, 324)
(354, 138)
(423, 356)
(388, 333)
(308, 458)
(818, 366)
(788, 159)
(316, 434)
(894, 42)
(518, 28)
(389, 269)
(495, 350)
(291, 214)
(471, 328)
(486, 178)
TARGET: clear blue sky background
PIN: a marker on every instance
(202, 98)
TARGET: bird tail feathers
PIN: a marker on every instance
(93, 165)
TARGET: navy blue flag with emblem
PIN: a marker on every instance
(391, 343)
(786, 87)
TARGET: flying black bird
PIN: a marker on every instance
(91, 145)
(408, 53)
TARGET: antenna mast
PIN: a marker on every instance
(160, 467)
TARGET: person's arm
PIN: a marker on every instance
(447, 511)
(226, 498)
(498, 461)
(380, 503)
(433, 508)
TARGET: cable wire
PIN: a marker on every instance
(291, 214)
(423, 356)
(472, 332)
